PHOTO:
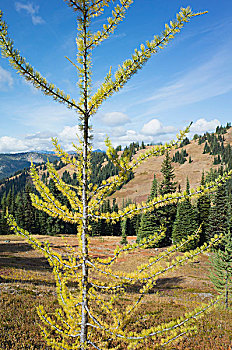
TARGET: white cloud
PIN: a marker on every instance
(115, 118)
(70, 133)
(31, 10)
(42, 135)
(118, 131)
(41, 141)
(6, 80)
(125, 139)
(68, 136)
(201, 126)
(155, 127)
(151, 132)
(119, 136)
(11, 144)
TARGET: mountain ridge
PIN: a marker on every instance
(138, 188)
(11, 163)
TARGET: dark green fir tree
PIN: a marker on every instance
(185, 223)
(154, 188)
(167, 185)
(20, 212)
(116, 227)
(166, 215)
(124, 228)
(218, 220)
(221, 268)
(29, 210)
(149, 221)
(203, 207)
(3, 224)
(6, 203)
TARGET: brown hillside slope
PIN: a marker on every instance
(139, 188)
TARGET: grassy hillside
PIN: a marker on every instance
(139, 187)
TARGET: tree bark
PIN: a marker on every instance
(85, 282)
(227, 292)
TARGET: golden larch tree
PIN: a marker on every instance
(92, 317)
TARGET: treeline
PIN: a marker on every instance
(181, 157)
(14, 194)
(213, 212)
(214, 144)
(29, 218)
(102, 168)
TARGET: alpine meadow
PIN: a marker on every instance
(97, 314)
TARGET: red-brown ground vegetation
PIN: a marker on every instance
(27, 280)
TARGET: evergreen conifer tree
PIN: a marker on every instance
(10, 201)
(167, 185)
(149, 223)
(167, 214)
(221, 268)
(42, 223)
(4, 227)
(20, 213)
(29, 210)
(116, 227)
(185, 223)
(2, 214)
(218, 220)
(203, 207)
(230, 210)
(187, 186)
(154, 189)
(106, 227)
(124, 229)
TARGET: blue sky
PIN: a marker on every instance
(190, 80)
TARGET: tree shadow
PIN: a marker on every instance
(15, 247)
(35, 282)
(161, 284)
(168, 282)
(28, 264)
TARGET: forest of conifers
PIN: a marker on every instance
(212, 211)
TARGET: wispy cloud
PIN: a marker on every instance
(118, 36)
(6, 80)
(31, 10)
(44, 116)
(213, 78)
(115, 118)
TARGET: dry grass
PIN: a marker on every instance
(145, 173)
(27, 280)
